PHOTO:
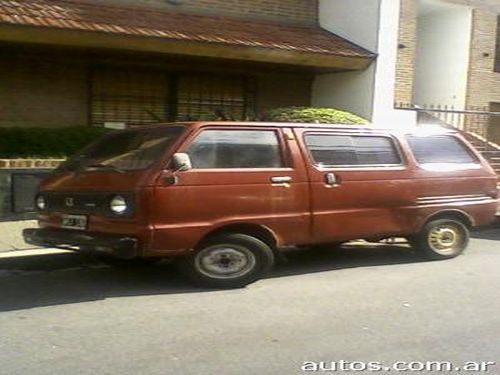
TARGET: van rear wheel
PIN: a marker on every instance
(228, 261)
(441, 239)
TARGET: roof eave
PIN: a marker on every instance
(91, 39)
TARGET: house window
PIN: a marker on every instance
(208, 98)
(128, 96)
(132, 96)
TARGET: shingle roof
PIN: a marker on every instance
(73, 15)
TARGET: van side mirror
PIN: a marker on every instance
(181, 162)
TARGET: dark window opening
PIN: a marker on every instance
(24, 189)
(347, 150)
(140, 97)
(440, 149)
(236, 149)
(128, 97)
(211, 98)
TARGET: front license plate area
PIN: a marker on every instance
(78, 222)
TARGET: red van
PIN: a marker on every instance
(224, 197)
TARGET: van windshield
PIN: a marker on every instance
(123, 151)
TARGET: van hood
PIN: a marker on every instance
(96, 181)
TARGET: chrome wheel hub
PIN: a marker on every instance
(446, 239)
(225, 261)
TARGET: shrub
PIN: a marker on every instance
(27, 142)
(313, 115)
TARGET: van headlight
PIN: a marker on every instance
(40, 202)
(118, 205)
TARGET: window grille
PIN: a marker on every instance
(209, 98)
(128, 96)
(135, 97)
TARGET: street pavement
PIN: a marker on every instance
(63, 313)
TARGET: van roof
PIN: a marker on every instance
(368, 128)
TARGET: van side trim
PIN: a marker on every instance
(462, 199)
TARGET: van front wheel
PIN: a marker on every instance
(228, 261)
(442, 239)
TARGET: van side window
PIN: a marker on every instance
(236, 149)
(349, 150)
(440, 149)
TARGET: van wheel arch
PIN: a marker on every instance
(459, 215)
(260, 232)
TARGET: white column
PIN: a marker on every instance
(384, 113)
(374, 25)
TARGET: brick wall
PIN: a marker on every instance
(52, 89)
(286, 90)
(293, 11)
(483, 89)
(407, 51)
(39, 92)
(494, 125)
(484, 82)
(497, 54)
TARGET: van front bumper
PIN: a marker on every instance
(117, 245)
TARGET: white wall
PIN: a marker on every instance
(350, 91)
(444, 36)
(355, 20)
(370, 93)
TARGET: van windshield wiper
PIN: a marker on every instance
(103, 166)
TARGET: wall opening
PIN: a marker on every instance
(443, 50)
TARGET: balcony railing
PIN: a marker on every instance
(478, 120)
(478, 124)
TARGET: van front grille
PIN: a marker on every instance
(84, 203)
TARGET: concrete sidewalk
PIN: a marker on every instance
(11, 235)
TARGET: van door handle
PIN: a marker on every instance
(281, 179)
(332, 179)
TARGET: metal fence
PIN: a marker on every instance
(477, 120)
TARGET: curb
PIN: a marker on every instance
(33, 252)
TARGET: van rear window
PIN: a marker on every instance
(442, 149)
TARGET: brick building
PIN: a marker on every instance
(67, 62)
(449, 56)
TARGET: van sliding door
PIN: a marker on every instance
(359, 184)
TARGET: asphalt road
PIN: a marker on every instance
(69, 314)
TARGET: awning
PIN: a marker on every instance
(76, 23)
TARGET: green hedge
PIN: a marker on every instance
(30, 142)
(313, 115)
